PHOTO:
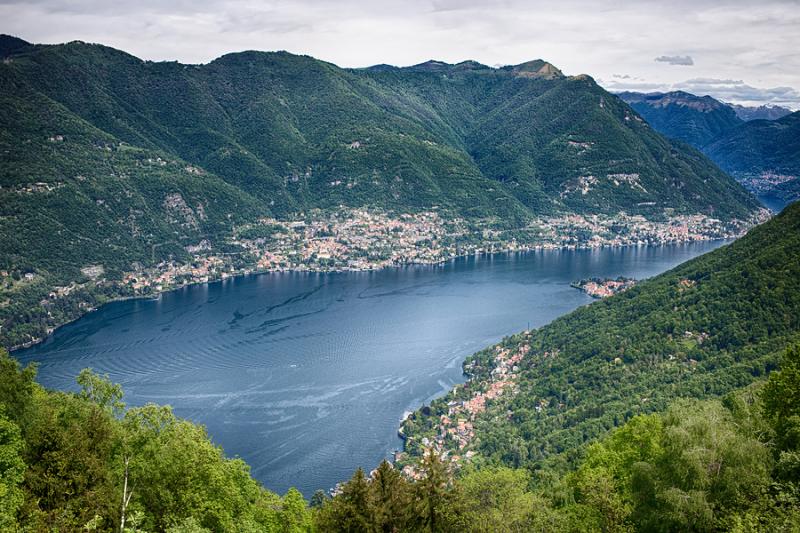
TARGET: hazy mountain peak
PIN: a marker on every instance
(766, 112)
(704, 104)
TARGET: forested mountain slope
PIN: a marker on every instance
(760, 145)
(696, 120)
(476, 140)
(118, 172)
(709, 326)
(761, 148)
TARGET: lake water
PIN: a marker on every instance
(773, 203)
(306, 376)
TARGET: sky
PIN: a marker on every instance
(738, 51)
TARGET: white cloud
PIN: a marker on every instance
(756, 42)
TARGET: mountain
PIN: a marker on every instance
(760, 146)
(762, 154)
(712, 325)
(113, 165)
(472, 139)
(696, 120)
(762, 112)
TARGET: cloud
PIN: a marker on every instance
(723, 39)
(676, 60)
(738, 91)
(726, 90)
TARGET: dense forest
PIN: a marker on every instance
(82, 461)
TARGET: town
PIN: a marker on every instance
(603, 288)
(360, 239)
(453, 430)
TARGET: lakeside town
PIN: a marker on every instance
(453, 430)
(605, 287)
(360, 240)
(348, 239)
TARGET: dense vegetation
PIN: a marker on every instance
(713, 465)
(696, 120)
(81, 462)
(710, 326)
(760, 145)
(112, 163)
(281, 128)
(68, 461)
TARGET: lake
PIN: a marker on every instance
(306, 376)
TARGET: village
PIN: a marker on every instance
(360, 240)
(454, 430)
(603, 288)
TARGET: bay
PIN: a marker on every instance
(306, 376)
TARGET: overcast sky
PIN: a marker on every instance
(740, 51)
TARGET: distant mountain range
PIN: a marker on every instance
(765, 112)
(760, 146)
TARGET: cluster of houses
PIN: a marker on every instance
(592, 231)
(765, 182)
(170, 274)
(353, 239)
(455, 429)
(360, 239)
(603, 288)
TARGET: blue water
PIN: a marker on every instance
(306, 376)
(773, 203)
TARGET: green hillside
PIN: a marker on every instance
(476, 140)
(760, 146)
(696, 120)
(701, 330)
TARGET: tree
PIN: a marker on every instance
(12, 472)
(434, 497)
(100, 390)
(349, 510)
(294, 516)
(781, 398)
(389, 498)
(318, 499)
(497, 499)
(17, 386)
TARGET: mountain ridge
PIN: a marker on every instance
(756, 145)
(159, 158)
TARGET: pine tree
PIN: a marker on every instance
(434, 496)
(390, 498)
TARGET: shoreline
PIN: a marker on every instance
(261, 272)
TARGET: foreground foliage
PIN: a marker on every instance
(66, 458)
(81, 461)
(713, 465)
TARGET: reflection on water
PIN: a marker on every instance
(306, 376)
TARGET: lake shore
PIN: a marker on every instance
(377, 267)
